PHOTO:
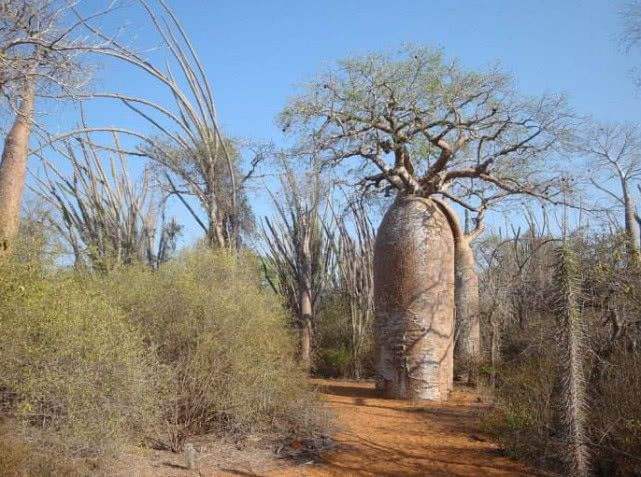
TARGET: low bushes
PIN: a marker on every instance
(72, 365)
(227, 342)
(91, 363)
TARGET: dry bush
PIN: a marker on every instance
(20, 458)
(74, 371)
(226, 340)
(527, 418)
(616, 416)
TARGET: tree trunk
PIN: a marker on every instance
(306, 330)
(631, 225)
(13, 167)
(466, 299)
(414, 297)
(467, 349)
(572, 352)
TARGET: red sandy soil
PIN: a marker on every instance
(376, 437)
(389, 437)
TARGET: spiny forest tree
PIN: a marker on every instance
(105, 217)
(568, 310)
(40, 48)
(299, 252)
(419, 125)
(185, 136)
(354, 253)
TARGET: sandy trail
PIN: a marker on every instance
(395, 438)
(377, 437)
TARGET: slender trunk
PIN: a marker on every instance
(631, 225)
(466, 298)
(215, 234)
(13, 167)
(306, 330)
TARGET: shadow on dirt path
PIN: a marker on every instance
(389, 437)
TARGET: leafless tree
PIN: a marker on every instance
(299, 251)
(613, 152)
(186, 137)
(40, 55)
(106, 218)
(354, 252)
(423, 127)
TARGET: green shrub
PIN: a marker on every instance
(72, 366)
(334, 362)
(227, 341)
(335, 356)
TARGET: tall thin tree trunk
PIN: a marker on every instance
(466, 296)
(306, 329)
(631, 225)
(567, 278)
(13, 167)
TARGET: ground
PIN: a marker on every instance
(376, 437)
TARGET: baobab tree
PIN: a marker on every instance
(40, 49)
(614, 157)
(418, 125)
(299, 252)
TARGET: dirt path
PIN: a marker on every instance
(377, 437)
(394, 438)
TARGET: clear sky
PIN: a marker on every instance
(255, 52)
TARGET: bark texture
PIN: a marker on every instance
(467, 302)
(306, 330)
(414, 297)
(572, 367)
(467, 346)
(13, 168)
(631, 225)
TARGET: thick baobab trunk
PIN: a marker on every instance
(414, 300)
(306, 330)
(13, 168)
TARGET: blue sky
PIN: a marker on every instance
(255, 52)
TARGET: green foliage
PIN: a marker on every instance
(226, 340)
(335, 355)
(92, 363)
(73, 366)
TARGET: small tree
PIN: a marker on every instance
(186, 137)
(299, 252)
